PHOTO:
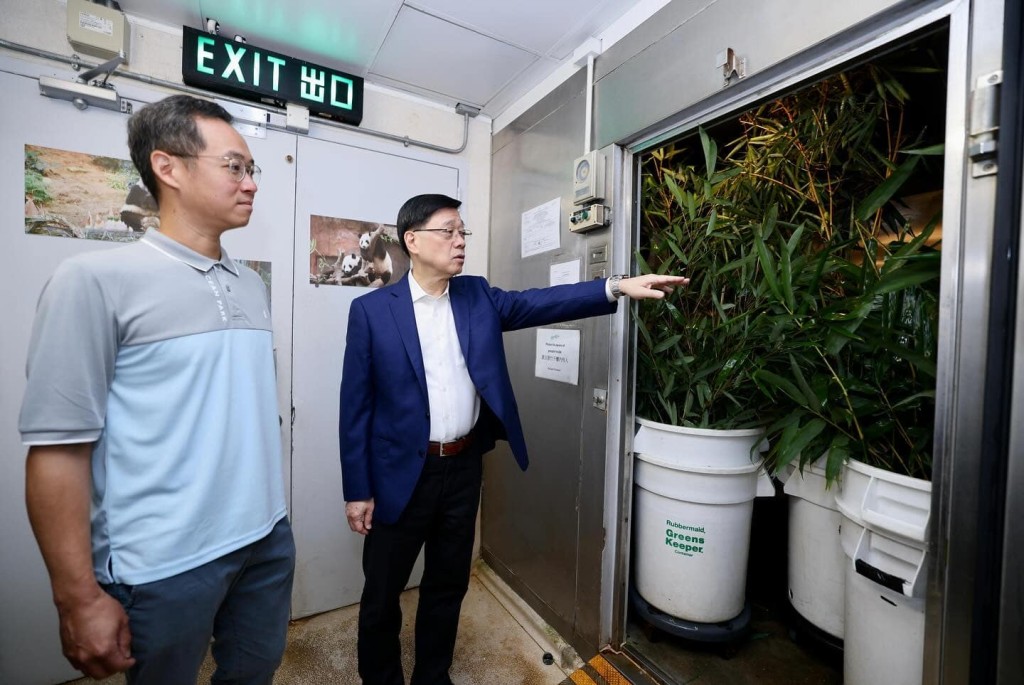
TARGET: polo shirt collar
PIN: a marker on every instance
(175, 250)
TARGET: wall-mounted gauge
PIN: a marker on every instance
(588, 178)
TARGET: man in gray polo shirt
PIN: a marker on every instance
(154, 475)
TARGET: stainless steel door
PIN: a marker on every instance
(543, 530)
(345, 182)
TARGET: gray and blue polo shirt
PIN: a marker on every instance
(164, 359)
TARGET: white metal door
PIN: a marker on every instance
(29, 643)
(343, 182)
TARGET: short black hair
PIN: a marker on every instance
(417, 211)
(169, 125)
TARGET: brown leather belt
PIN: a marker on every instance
(450, 449)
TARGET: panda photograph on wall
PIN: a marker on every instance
(354, 253)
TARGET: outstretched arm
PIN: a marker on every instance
(650, 286)
(93, 626)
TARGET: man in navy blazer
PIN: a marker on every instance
(425, 392)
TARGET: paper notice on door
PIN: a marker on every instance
(565, 273)
(540, 228)
(558, 355)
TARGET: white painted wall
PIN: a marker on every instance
(29, 646)
(156, 52)
(611, 35)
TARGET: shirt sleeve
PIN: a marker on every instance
(71, 359)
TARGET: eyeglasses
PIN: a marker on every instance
(447, 233)
(236, 166)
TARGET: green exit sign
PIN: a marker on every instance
(245, 71)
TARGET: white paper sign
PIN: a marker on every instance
(558, 355)
(540, 228)
(565, 273)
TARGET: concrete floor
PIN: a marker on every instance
(502, 641)
(768, 655)
(498, 643)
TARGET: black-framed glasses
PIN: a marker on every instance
(447, 233)
(236, 166)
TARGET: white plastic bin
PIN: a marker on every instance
(692, 509)
(885, 521)
(816, 564)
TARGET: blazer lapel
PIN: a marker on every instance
(460, 311)
(405, 320)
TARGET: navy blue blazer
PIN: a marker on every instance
(384, 422)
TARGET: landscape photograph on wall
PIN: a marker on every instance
(78, 195)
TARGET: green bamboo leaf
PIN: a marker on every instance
(883, 193)
(646, 335)
(922, 363)
(913, 399)
(902, 279)
(799, 438)
(784, 384)
(838, 453)
(811, 398)
(642, 263)
(677, 193)
(670, 385)
(795, 239)
(781, 454)
(719, 307)
(710, 152)
(786, 276)
(703, 393)
(767, 266)
(722, 176)
(678, 252)
(667, 344)
(912, 250)
(931, 150)
(846, 332)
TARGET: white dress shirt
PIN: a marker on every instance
(453, 399)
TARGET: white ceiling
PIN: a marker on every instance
(486, 53)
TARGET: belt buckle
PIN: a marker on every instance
(440, 449)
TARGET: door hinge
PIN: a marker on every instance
(984, 125)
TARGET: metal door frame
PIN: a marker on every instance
(964, 289)
(1007, 661)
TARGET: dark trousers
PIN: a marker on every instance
(440, 517)
(242, 599)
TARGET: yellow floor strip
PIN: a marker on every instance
(580, 677)
(608, 672)
(597, 672)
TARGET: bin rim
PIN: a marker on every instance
(712, 470)
(709, 432)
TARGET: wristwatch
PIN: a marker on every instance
(613, 285)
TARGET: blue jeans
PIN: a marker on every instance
(242, 600)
